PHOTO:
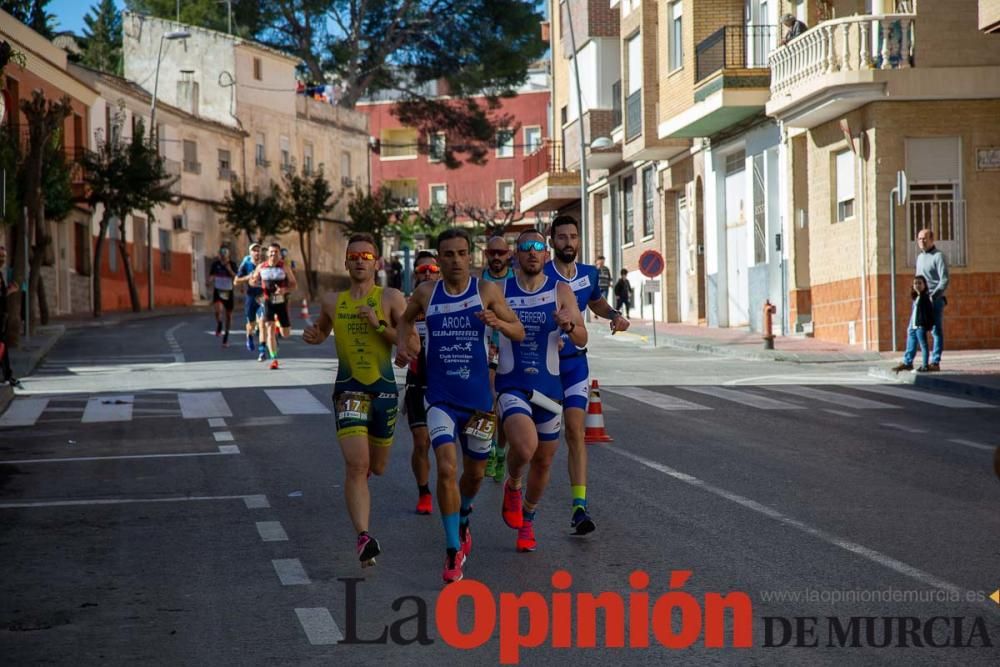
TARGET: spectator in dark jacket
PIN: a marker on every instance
(623, 293)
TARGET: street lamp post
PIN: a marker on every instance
(154, 135)
(584, 235)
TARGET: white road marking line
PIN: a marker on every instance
(843, 400)
(109, 409)
(229, 449)
(222, 436)
(656, 399)
(77, 459)
(217, 422)
(172, 342)
(271, 531)
(24, 412)
(744, 398)
(296, 402)
(264, 421)
(969, 443)
(939, 400)
(78, 411)
(608, 408)
(203, 404)
(869, 554)
(319, 626)
(290, 572)
(840, 413)
(117, 501)
(904, 427)
(258, 502)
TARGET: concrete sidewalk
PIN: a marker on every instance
(973, 373)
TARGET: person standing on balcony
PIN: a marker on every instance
(794, 28)
(932, 266)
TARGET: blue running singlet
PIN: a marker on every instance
(585, 286)
(532, 364)
(457, 370)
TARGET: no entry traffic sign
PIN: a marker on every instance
(651, 263)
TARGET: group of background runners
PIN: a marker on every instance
(512, 342)
(268, 284)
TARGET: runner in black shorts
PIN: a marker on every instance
(425, 269)
(277, 282)
(220, 279)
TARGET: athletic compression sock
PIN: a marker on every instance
(450, 522)
(579, 496)
(218, 327)
(465, 511)
(528, 510)
(423, 489)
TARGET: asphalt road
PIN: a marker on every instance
(167, 501)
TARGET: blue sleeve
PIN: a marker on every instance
(242, 271)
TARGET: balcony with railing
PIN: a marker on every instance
(840, 65)
(731, 81)
(548, 185)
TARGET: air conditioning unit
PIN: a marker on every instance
(180, 222)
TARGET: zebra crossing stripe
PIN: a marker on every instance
(24, 412)
(203, 405)
(109, 409)
(319, 626)
(939, 400)
(654, 398)
(843, 400)
(744, 398)
(296, 402)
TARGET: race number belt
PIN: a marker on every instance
(354, 405)
(481, 425)
(225, 294)
(278, 298)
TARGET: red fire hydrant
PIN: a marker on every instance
(769, 310)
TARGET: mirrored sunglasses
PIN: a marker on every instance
(497, 253)
(365, 255)
(427, 268)
(528, 246)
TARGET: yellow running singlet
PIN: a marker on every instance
(363, 354)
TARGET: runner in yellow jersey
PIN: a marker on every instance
(363, 319)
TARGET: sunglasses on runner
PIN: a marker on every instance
(365, 255)
(428, 268)
(497, 253)
(528, 246)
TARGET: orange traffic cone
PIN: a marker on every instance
(594, 424)
(305, 310)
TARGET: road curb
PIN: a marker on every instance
(738, 352)
(937, 382)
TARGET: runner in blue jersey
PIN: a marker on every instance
(458, 309)
(252, 311)
(497, 270)
(573, 369)
(528, 380)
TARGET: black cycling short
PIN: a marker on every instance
(416, 411)
(279, 310)
(225, 297)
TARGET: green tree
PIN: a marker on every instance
(307, 199)
(123, 176)
(425, 224)
(102, 38)
(259, 216)
(210, 14)
(370, 213)
(32, 14)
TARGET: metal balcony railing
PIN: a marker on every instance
(616, 104)
(548, 159)
(734, 47)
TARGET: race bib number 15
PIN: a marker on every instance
(481, 425)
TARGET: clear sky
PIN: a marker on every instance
(69, 13)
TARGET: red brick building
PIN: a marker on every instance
(409, 165)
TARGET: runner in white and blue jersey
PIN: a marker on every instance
(528, 377)
(253, 312)
(458, 309)
(574, 371)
